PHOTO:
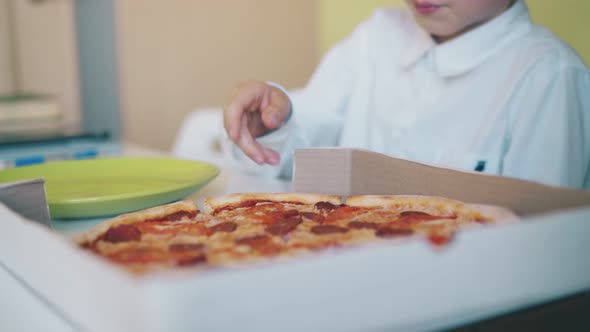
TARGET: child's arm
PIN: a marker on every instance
(550, 135)
(317, 110)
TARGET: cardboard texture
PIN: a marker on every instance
(88, 293)
(28, 199)
(410, 287)
(359, 172)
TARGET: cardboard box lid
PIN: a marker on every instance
(358, 172)
(28, 199)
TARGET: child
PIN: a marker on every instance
(467, 84)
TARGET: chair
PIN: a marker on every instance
(199, 137)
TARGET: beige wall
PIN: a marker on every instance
(569, 19)
(177, 55)
(337, 18)
(45, 45)
(6, 83)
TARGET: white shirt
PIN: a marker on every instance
(506, 98)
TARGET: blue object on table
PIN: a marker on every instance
(27, 161)
(26, 153)
(88, 154)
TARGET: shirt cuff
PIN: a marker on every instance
(278, 86)
(276, 138)
(279, 140)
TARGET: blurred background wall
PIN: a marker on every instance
(171, 57)
(569, 19)
(6, 74)
(176, 55)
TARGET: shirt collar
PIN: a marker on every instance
(466, 52)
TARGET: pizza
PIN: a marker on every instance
(161, 237)
(240, 228)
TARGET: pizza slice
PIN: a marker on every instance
(436, 218)
(265, 222)
(161, 237)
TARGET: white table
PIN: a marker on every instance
(21, 309)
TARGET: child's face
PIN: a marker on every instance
(446, 19)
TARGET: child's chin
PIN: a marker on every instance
(436, 28)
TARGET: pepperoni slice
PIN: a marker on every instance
(439, 240)
(176, 216)
(326, 206)
(313, 216)
(412, 217)
(284, 227)
(182, 247)
(122, 233)
(250, 203)
(226, 227)
(255, 241)
(328, 229)
(363, 225)
(270, 250)
(481, 220)
(138, 255)
(415, 214)
(166, 228)
(290, 213)
(265, 214)
(198, 229)
(156, 228)
(261, 243)
(192, 261)
(342, 213)
(393, 232)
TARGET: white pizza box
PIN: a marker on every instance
(407, 286)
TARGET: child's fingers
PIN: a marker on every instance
(247, 97)
(255, 150)
(272, 157)
(276, 112)
(272, 117)
(271, 107)
(232, 120)
(248, 144)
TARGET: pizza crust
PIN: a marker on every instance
(400, 200)
(213, 204)
(494, 214)
(136, 217)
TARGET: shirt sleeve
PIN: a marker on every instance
(317, 109)
(550, 133)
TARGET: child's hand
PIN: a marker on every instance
(253, 110)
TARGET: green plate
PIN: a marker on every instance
(106, 187)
